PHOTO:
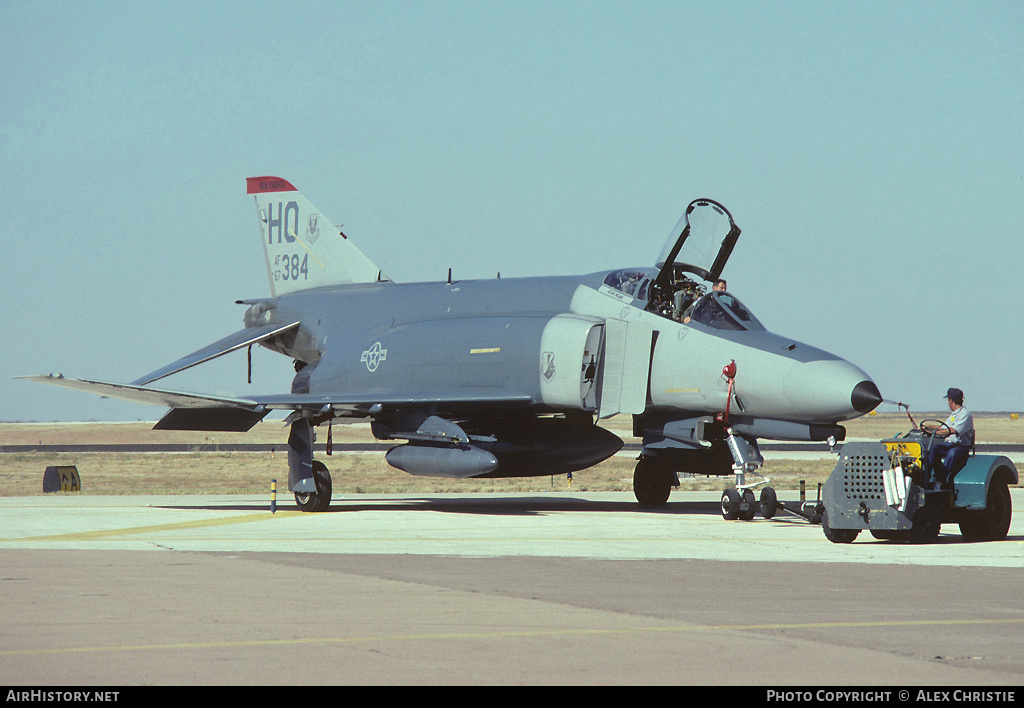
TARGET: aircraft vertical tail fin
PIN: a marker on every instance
(303, 248)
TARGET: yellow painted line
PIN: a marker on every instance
(491, 350)
(135, 530)
(682, 390)
(689, 629)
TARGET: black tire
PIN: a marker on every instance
(993, 523)
(769, 502)
(927, 523)
(837, 535)
(730, 505)
(652, 482)
(321, 499)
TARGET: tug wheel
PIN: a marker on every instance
(837, 535)
(993, 523)
(927, 523)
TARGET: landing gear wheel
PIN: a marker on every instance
(751, 503)
(652, 482)
(993, 523)
(321, 499)
(769, 502)
(730, 505)
(837, 535)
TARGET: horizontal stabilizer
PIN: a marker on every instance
(363, 403)
(153, 396)
(233, 342)
(221, 419)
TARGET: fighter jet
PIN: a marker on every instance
(508, 377)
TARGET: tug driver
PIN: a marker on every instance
(947, 458)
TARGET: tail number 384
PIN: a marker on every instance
(291, 267)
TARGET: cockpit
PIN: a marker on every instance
(627, 281)
(721, 310)
(692, 258)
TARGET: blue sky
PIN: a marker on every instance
(872, 153)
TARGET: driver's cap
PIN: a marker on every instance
(956, 395)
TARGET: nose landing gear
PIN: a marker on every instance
(741, 502)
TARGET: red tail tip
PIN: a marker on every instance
(258, 185)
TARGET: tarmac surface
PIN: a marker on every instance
(558, 588)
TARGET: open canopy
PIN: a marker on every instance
(699, 245)
(701, 241)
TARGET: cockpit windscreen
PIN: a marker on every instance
(626, 280)
(721, 310)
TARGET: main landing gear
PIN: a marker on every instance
(309, 479)
(653, 481)
(321, 498)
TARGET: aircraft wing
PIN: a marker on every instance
(233, 342)
(465, 397)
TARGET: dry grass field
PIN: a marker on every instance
(208, 471)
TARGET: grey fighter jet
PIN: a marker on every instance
(507, 377)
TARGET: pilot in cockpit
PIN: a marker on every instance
(718, 287)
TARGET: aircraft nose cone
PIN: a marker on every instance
(865, 396)
(828, 389)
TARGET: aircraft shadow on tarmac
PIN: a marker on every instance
(510, 506)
